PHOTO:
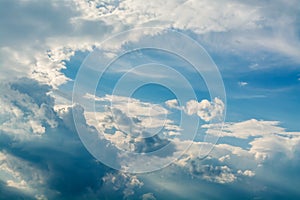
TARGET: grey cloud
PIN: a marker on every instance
(55, 164)
(32, 22)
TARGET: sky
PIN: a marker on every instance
(177, 99)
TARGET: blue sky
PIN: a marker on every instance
(126, 99)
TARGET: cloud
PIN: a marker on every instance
(217, 174)
(246, 173)
(21, 175)
(148, 196)
(127, 183)
(268, 142)
(131, 116)
(183, 15)
(241, 26)
(204, 109)
(39, 145)
(242, 83)
(238, 168)
(26, 108)
(246, 129)
(40, 165)
(40, 54)
(172, 103)
(58, 145)
(132, 124)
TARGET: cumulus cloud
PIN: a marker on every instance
(40, 54)
(218, 174)
(37, 160)
(127, 183)
(21, 175)
(226, 163)
(229, 163)
(39, 147)
(246, 173)
(131, 116)
(204, 109)
(131, 124)
(267, 138)
(243, 25)
(172, 103)
(26, 108)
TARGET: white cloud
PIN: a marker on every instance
(245, 129)
(246, 173)
(273, 146)
(206, 110)
(269, 139)
(229, 163)
(122, 181)
(243, 26)
(222, 164)
(39, 54)
(179, 14)
(242, 83)
(223, 158)
(172, 103)
(218, 174)
(130, 116)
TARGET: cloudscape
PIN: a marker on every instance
(129, 99)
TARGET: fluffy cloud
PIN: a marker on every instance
(131, 116)
(246, 129)
(269, 143)
(26, 108)
(237, 168)
(37, 160)
(226, 164)
(243, 25)
(39, 147)
(217, 174)
(267, 138)
(119, 181)
(172, 103)
(132, 125)
(40, 54)
(206, 110)
(246, 173)
(21, 175)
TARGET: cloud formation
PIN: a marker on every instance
(40, 54)
(204, 109)
(41, 155)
